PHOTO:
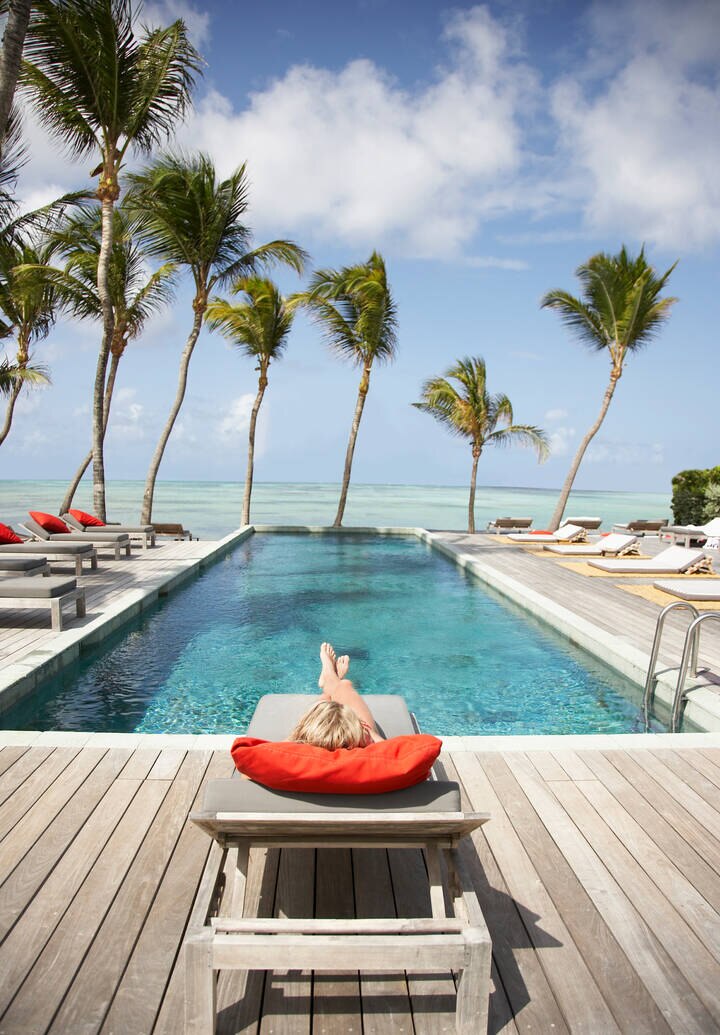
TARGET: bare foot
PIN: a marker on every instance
(342, 665)
(327, 662)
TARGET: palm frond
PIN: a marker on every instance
(522, 435)
(11, 375)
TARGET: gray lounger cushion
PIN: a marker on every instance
(277, 714)
(43, 589)
(709, 590)
(89, 537)
(22, 563)
(244, 796)
(70, 549)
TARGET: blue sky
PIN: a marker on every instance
(486, 151)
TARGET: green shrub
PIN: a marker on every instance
(694, 495)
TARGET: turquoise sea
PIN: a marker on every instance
(211, 509)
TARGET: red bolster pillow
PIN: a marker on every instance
(387, 765)
(49, 522)
(87, 519)
(8, 536)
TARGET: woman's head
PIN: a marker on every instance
(330, 725)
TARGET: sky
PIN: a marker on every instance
(486, 150)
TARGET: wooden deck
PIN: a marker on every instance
(598, 875)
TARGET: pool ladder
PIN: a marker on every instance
(689, 660)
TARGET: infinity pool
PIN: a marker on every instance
(466, 661)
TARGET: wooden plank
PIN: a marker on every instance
(688, 798)
(140, 763)
(74, 922)
(167, 765)
(627, 997)
(706, 765)
(142, 987)
(27, 877)
(385, 1000)
(23, 768)
(547, 766)
(704, 783)
(336, 994)
(9, 756)
(675, 998)
(89, 997)
(574, 765)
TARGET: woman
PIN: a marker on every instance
(340, 719)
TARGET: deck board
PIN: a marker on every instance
(600, 890)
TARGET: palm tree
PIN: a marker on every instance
(468, 410)
(192, 219)
(620, 310)
(136, 294)
(259, 328)
(357, 313)
(29, 306)
(98, 88)
(18, 18)
(11, 373)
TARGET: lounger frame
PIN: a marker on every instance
(38, 534)
(459, 941)
(56, 604)
(146, 539)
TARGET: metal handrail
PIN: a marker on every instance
(692, 643)
(651, 680)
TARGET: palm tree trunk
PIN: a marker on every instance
(362, 394)
(262, 385)
(14, 393)
(568, 484)
(73, 486)
(146, 516)
(471, 501)
(98, 426)
(10, 58)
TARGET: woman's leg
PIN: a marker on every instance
(336, 688)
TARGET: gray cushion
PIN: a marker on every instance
(89, 537)
(22, 563)
(236, 795)
(51, 549)
(277, 714)
(42, 589)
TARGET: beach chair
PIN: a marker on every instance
(590, 524)
(565, 534)
(691, 535)
(615, 544)
(708, 591)
(75, 552)
(676, 560)
(117, 542)
(53, 592)
(509, 524)
(641, 526)
(21, 567)
(239, 814)
(143, 534)
(175, 531)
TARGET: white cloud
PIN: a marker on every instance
(164, 12)
(561, 441)
(127, 417)
(490, 262)
(237, 419)
(553, 415)
(626, 453)
(352, 155)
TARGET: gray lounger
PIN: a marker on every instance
(143, 534)
(239, 814)
(53, 592)
(78, 552)
(641, 526)
(24, 566)
(698, 591)
(676, 560)
(590, 524)
(613, 544)
(509, 524)
(115, 541)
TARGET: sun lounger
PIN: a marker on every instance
(115, 541)
(641, 526)
(240, 814)
(76, 552)
(691, 535)
(615, 544)
(565, 534)
(509, 524)
(53, 592)
(143, 534)
(696, 591)
(176, 531)
(590, 524)
(21, 567)
(676, 560)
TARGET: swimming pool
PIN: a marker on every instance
(466, 661)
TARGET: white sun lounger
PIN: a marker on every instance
(77, 552)
(53, 592)
(564, 534)
(143, 534)
(239, 814)
(115, 541)
(708, 590)
(617, 545)
(676, 560)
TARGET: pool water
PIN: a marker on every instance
(466, 661)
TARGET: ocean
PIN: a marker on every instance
(212, 509)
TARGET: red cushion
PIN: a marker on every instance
(387, 765)
(49, 522)
(87, 519)
(541, 531)
(7, 535)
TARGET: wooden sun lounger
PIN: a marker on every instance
(641, 526)
(53, 592)
(239, 815)
(175, 530)
(509, 524)
(117, 542)
(75, 552)
(143, 534)
(24, 567)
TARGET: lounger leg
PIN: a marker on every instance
(474, 989)
(56, 616)
(80, 604)
(128, 549)
(200, 988)
(241, 871)
(437, 897)
(117, 551)
(78, 566)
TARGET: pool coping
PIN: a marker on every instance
(17, 680)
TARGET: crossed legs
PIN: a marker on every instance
(335, 687)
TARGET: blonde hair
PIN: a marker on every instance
(330, 725)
